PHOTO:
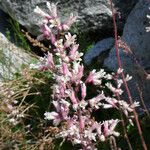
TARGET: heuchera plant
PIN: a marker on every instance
(73, 107)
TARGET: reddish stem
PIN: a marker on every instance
(123, 78)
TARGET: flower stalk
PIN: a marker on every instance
(123, 78)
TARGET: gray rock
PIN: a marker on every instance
(11, 58)
(92, 14)
(136, 37)
(98, 48)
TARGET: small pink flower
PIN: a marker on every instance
(46, 32)
(59, 45)
(52, 8)
(62, 88)
(80, 71)
(50, 61)
(73, 97)
(57, 106)
(53, 116)
(69, 39)
(77, 72)
(95, 102)
(65, 69)
(113, 89)
(62, 108)
(52, 38)
(106, 130)
(42, 13)
(55, 22)
(112, 102)
(73, 50)
(74, 54)
(109, 127)
(83, 104)
(69, 22)
(83, 90)
(82, 122)
(112, 126)
(95, 77)
(90, 135)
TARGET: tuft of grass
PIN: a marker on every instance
(32, 92)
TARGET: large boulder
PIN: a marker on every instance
(12, 58)
(92, 14)
(138, 40)
(98, 49)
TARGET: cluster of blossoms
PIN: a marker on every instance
(73, 104)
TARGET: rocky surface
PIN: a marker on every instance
(100, 47)
(92, 14)
(11, 58)
(138, 40)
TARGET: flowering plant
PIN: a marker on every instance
(73, 104)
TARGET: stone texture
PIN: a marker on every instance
(136, 37)
(92, 14)
(100, 47)
(11, 58)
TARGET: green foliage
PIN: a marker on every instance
(8, 34)
(85, 42)
(63, 145)
(19, 37)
